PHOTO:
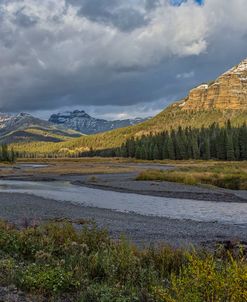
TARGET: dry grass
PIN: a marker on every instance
(230, 175)
(82, 169)
(66, 166)
(78, 160)
(80, 166)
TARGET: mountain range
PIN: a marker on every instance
(23, 127)
(84, 123)
(218, 101)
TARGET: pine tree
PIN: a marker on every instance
(12, 156)
(170, 148)
(5, 156)
(138, 152)
(243, 142)
(236, 145)
(124, 151)
(151, 152)
(229, 148)
(165, 153)
(206, 153)
(156, 153)
(195, 148)
(221, 145)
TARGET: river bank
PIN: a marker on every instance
(22, 209)
(126, 183)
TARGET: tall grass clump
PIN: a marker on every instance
(228, 176)
(57, 260)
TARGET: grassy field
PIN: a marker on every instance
(64, 166)
(229, 175)
(55, 260)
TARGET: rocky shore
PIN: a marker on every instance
(23, 209)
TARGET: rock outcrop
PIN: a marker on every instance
(227, 92)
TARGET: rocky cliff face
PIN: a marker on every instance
(227, 92)
(81, 121)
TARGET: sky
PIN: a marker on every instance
(114, 58)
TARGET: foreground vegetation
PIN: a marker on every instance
(229, 175)
(54, 260)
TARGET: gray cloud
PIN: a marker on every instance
(112, 13)
(113, 53)
(24, 20)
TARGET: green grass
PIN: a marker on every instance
(54, 259)
(227, 175)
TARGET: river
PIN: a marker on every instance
(206, 211)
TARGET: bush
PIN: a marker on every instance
(46, 279)
(206, 280)
(55, 259)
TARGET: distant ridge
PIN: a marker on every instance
(83, 122)
(24, 127)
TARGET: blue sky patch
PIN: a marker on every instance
(179, 2)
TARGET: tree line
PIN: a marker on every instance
(7, 155)
(214, 142)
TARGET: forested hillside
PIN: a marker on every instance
(214, 142)
(227, 143)
(171, 118)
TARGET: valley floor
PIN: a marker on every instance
(119, 176)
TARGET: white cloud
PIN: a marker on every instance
(57, 52)
(185, 75)
(62, 36)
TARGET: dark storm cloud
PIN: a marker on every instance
(111, 12)
(113, 52)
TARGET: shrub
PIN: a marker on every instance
(46, 279)
(56, 259)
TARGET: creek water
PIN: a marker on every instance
(229, 213)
